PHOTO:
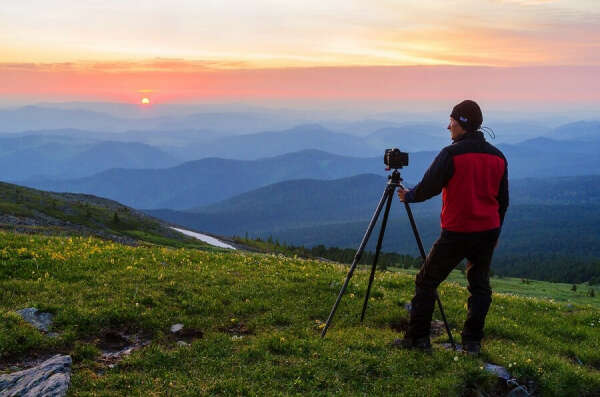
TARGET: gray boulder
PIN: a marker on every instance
(49, 379)
(38, 319)
(497, 370)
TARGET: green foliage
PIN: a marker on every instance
(84, 351)
(261, 317)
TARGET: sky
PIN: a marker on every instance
(521, 51)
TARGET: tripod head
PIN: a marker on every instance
(395, 179)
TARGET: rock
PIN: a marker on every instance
(497, 370)
(175, 328)
(519, 391)
(437, 328)
(114, 356)
(39, 320)
(182, 343)
(49, 379)
(448, 346)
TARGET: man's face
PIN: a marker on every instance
(456, 129)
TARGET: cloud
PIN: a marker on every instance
(529, 2)
(273, 34)
(537, 85)
(151, 65)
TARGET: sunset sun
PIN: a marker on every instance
(145, 101)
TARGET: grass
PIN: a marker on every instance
(76, 214)
(261, 317)
(558, 292)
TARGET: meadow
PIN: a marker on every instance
(255, 322)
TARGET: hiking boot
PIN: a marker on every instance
(472, 347)
(413, 343)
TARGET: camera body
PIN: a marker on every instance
(394, 158)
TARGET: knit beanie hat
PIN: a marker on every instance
(468, 115)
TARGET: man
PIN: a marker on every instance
(473, 178)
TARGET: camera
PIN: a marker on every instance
(394, 158)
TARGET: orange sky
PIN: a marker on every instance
(185, 50)
(546, 84)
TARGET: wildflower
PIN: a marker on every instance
(282, 339)
(455, 358)
(233, 320)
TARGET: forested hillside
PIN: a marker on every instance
(551, 232)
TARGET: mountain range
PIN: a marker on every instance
(308, 202)
(26, 156)
(210, 180)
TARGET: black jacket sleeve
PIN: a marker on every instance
(503, 194)
(436, 177)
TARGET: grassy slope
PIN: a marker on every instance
(93, 285)
(68, 213)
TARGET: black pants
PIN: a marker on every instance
(447, 252)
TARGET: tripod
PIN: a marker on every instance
(394, 181)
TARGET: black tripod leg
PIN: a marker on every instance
(357, 256)
(377, 250)
(413, 225)
(422, 251)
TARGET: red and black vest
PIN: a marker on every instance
(472, 176)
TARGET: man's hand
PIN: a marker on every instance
(401, 193)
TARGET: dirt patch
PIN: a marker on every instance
(188, 335)
(112, 341)
(595, 364)
(115, 345)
